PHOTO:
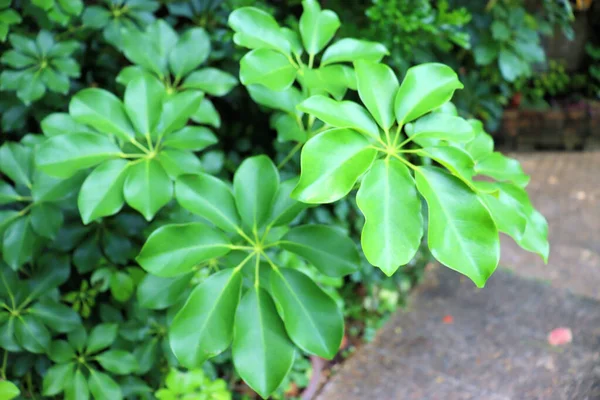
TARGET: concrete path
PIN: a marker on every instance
(457, 342)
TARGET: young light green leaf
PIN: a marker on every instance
(424, 88)
(482, 145)
(194, 138)
(262, 352)
(207, 114)
(256, 29)
(350, 50)
(312, 319)
(331, 163)
(179, 162)
(255, 185)
(456, 160)
(439, 126)
(121, 286)
(506, 211)
(340, 114)
(502, 168)
(118, 362)
(317, 27)
(103, 387)
(203, 328)
(147, 187)
(101, 194)
(177, 249)
(462, 234)
(268, 68)
(377, 87)
(143, 103)
(327, 248)
(393, 226)
(8, 390)
(333, 79)
(210, 198)
(64, 155)
(210, 80)
(285, 100)
(103, 111)
(191, 50)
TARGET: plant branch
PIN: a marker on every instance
(291, 154)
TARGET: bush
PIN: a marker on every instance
(144, 254)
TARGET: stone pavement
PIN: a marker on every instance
(456, 342)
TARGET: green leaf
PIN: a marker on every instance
(482, 145)
(194, 138)
(350, 50)
(285, 209)
(268, 68)
(143, 103)
(210, 80)
(118, 362)
(393, 226)
(52, 271)
(203, 328)
(15, 162)
(73, 7)
(55, 315)
(103, 387)
(262, 353)
(77, 388)
(101, 194)
(340, 114)
(210, 198)
(506, 211)
(511, 65)
(51, 189)
(60, 123)
(31, 88)
(331, 163)
(462, 234)
(317, 27)
(377, 87)
(57, 377)
(32, 334)
(425, 87)
(179, 162)
(255, 185)
(121, 286)
(46, 219)
(61, 351)
(64, 155)
(140, 48)
(101, 337)
(103, 111)
(147, 187)
(500, 31)
(7, 193)
(437, 126)
(7, 336)
(502, 168)
(288, 128)
(327, 248)
(8, 390)
(177, 109)
(333, 79)
(312, 318)
(18, 243)
(535, 237)
(191, 50)
(158, 293)
(16, 59)
(131, 72)
(456, 160)
(285, 100)
(77, 338)
(177, 249)
(256, 29)
(207, 114)
(55, 81)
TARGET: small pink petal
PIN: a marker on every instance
(560, 336)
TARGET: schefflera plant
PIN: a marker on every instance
(138, 146)
(281, 70)
(264, 311)
(378, 147)
(176, 61)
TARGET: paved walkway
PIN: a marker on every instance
(495, 344)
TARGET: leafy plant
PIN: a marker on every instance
(60, 11)
(192, 385)
(8, 17)
(594, 69)
(38, 65)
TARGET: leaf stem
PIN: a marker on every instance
(397, 135)
(311, 60)
(149, 141)
(125, 155)
(408, 139)
(139, 145)
(4, 361)
(244, 261)
(275, 268)
(234, 247)
(246, 237)
(25, 210)
(257, 271)
(405, 161)
(287, 158)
